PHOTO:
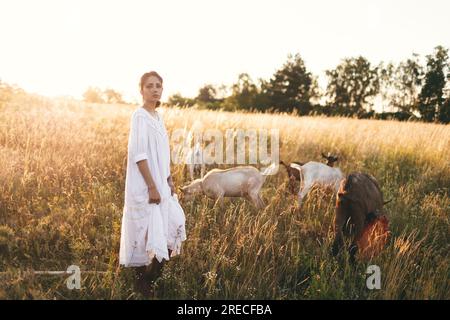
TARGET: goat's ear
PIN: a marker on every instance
(324, 156)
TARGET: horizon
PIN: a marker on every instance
(76, 46)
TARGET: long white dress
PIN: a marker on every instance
(149, 230)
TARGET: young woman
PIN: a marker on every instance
(153, 222)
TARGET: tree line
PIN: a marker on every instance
(97, 95)
(407, 90)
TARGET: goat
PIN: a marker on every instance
(359, 203)
(315, 174)
(294, 173)
(241, 181)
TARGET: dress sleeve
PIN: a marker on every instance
(139, 139)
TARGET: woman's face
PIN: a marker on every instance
(152, 89)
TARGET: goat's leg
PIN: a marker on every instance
(358, 222)
(261, 202)
(337, 186)
(256, 199)
(300, 199)
(339, 222)
(254, 187)
(252, 198)
(219, 197)
(306, 188)
(303, 192)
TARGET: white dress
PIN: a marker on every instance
(149, 230)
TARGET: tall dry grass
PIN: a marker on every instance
(61, 199)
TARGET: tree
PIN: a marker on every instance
(178, 100)
(351, 84)
(208, 97)
(400, 85)
(444, 114)
(94, 95)
(431, 97)
(112, 96)
(291, 87)
(244, 94)
(207, 94)
(244, 91)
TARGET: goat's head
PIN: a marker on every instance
(330, 159)
(195, 187)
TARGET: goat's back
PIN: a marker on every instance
(320, 172)
(362, 189)
(241, 171)
(234, 181)
(239, 168)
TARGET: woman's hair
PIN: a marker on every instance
(147, 75)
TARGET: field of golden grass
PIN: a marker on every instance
(62, 191)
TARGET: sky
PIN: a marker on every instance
(61, 47)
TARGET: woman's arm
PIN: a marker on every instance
(153, 192)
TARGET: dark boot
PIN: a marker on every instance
(141, 283)
(154, 272)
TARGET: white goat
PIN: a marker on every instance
(194, 161)
(316, 173)
(242, 181)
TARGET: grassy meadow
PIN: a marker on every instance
(62, 185)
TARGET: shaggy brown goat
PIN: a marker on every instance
(359, 203)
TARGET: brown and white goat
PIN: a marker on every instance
(313, 174)
(294, 173)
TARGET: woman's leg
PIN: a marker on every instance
(141, 284)
(155, 269)
(154, 272)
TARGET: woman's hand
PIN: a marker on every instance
(171, 185)
(153, 195)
